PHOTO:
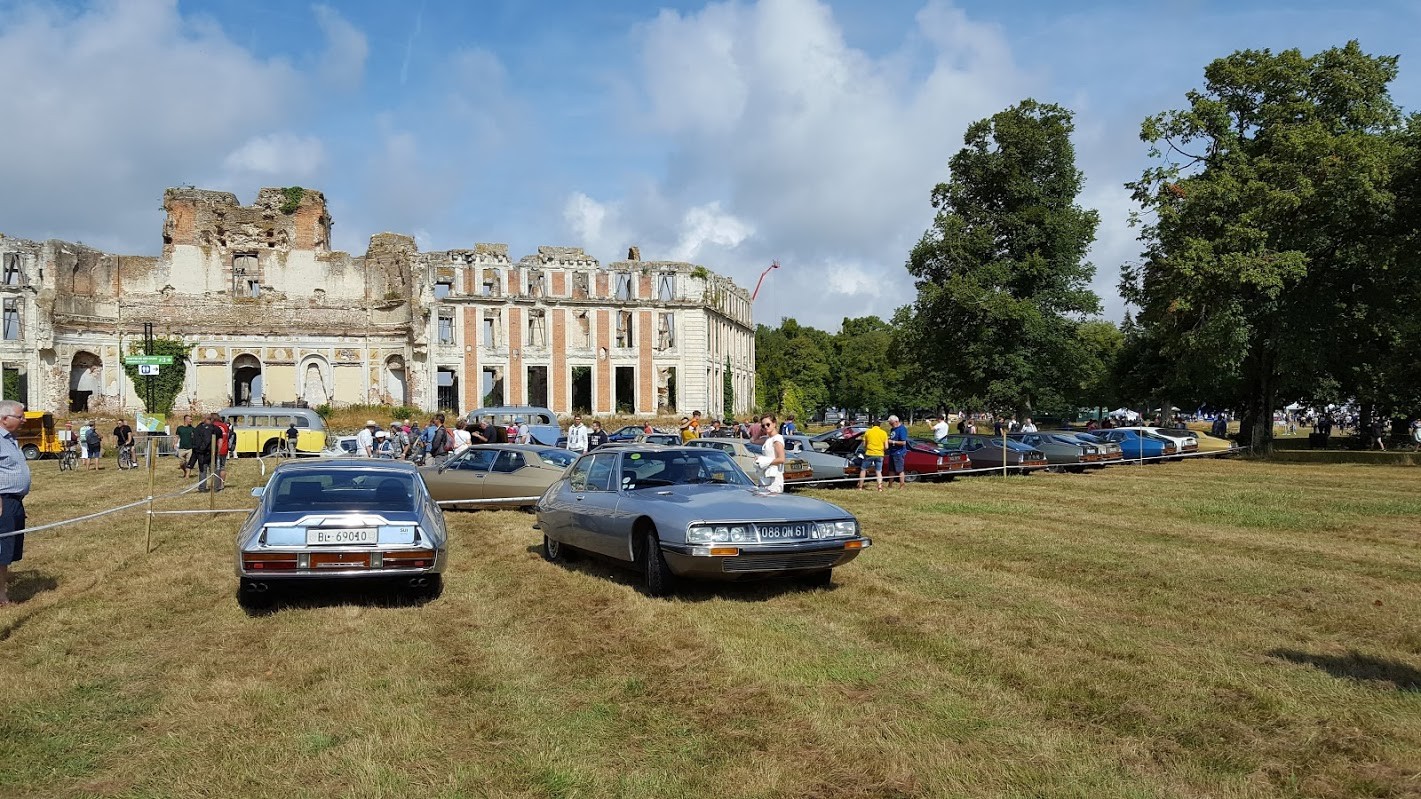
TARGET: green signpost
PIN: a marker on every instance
(148, 360)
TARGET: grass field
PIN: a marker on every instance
(1220, 629)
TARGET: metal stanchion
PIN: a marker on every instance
(148, 523)
(1004, 451)
(212, 475)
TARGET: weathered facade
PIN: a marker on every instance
(273, 315)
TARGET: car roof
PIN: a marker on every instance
(354, 464)
(502, 409)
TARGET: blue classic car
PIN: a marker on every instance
(691, 512)
(341, 520)
(542, 423)
(1136, 444)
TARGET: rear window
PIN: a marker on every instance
(556, 457)
(342, 490)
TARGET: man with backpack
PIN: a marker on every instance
(202, 437)
(93, 445)
(224, 440)
(440, 442)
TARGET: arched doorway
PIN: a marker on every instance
(315, 381)
(246, 380)
(395, 379)
(85, 380)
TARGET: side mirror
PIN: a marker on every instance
(259, 491)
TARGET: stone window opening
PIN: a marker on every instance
(491, 283)
(624, 330)
(12, 328)
(537, 283)
(446, 327)
(254, 288)
(624, 286)
(244, 268)
(492, 386)
(14, 276)
(666, 332)
(580, 283)
(537, 328)
(493, 325)
(666, 286)
(442, 289)
(584, 330)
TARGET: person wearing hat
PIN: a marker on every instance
(384, 447)
(365, 440)
(524, 435)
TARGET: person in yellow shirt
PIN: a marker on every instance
(875, 441)
(688, 431)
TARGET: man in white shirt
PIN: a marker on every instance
(365, 440)
(941, 429)
(577, 436)
(524, 434)
(1028, 426)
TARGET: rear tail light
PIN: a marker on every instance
(409, 559)
(269, 561)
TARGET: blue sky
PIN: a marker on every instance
(728, 134)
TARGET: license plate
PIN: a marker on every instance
(365, 535)
(784, 532)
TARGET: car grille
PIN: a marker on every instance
(774, 563)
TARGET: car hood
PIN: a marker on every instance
(731, 503)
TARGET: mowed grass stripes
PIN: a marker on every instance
(1208, 628)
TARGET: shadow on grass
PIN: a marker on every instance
(1358, 667)
(24, 585)
(748, 590)
(304, 597)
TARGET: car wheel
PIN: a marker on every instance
(553, 551)
(912, 477)
(270, 448)
(659, 579)
(30, 451)
(819, 579)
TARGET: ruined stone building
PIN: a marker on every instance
(272, 315)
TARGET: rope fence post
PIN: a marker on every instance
(212, 475)
(1004, 451)
(148, 522)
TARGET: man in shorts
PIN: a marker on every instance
(875, 442)
(184, 432)
(897, 456)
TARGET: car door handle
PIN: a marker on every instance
(578, 497)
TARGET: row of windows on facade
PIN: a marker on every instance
(625, 287)
(537, 329)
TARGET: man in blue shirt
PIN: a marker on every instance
(14, 485)
(897, 450)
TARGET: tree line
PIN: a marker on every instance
(1278, 221)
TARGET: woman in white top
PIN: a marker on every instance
(772, 460)
(462, 438)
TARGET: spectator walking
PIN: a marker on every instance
(365, 440)
(1028, 426)
(93, 445)
(462, 437)
(789, 428)
(185, 431)
(896, 458)
(875, 441)
(1379, 433)
(772, 456)
(14, 485)
(577, 436)
(224, 441)
(596, 437)
(384, 447)
(525, 434)
(440, 441)
(292, 433)
(202, 440)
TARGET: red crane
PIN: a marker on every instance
(756, 292)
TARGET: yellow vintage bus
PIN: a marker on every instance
(37, 437)
(261, 430)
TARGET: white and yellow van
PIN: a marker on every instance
(261, 430)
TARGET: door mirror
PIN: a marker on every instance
(258, 491)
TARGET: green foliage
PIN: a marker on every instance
(792, 351)
(1271, 267)
(792, 402)
(865, 374)
(1001, 275)
(12, 385)
(700, 273)
(291, 199)
(168, 383)
(324, 410)
(728, 392)
(403, 412)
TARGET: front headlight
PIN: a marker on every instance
(840, 529)
(720, 534)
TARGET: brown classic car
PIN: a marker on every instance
(518, 473)
(745, 453)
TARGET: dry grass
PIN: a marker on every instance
(1222, 629)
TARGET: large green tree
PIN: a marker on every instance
(1001, 275)
(792, 353)
(1268, 224)
(865, 375)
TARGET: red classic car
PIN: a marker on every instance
(925, 460)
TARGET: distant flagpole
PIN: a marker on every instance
(756, 292)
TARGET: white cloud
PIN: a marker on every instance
(279, 155)
(823, 155)
(343, 62)
(705, 226)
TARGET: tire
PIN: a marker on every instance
(30, 451)
(659, 579)
(912, 477)
(270, 448)
(553, 551)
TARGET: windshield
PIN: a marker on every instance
(342, 490)
(556, 457)
(680, 467)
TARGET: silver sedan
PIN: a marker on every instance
(341, 520)
(676, 512)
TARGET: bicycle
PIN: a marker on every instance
(68, 459)
(125, 457)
